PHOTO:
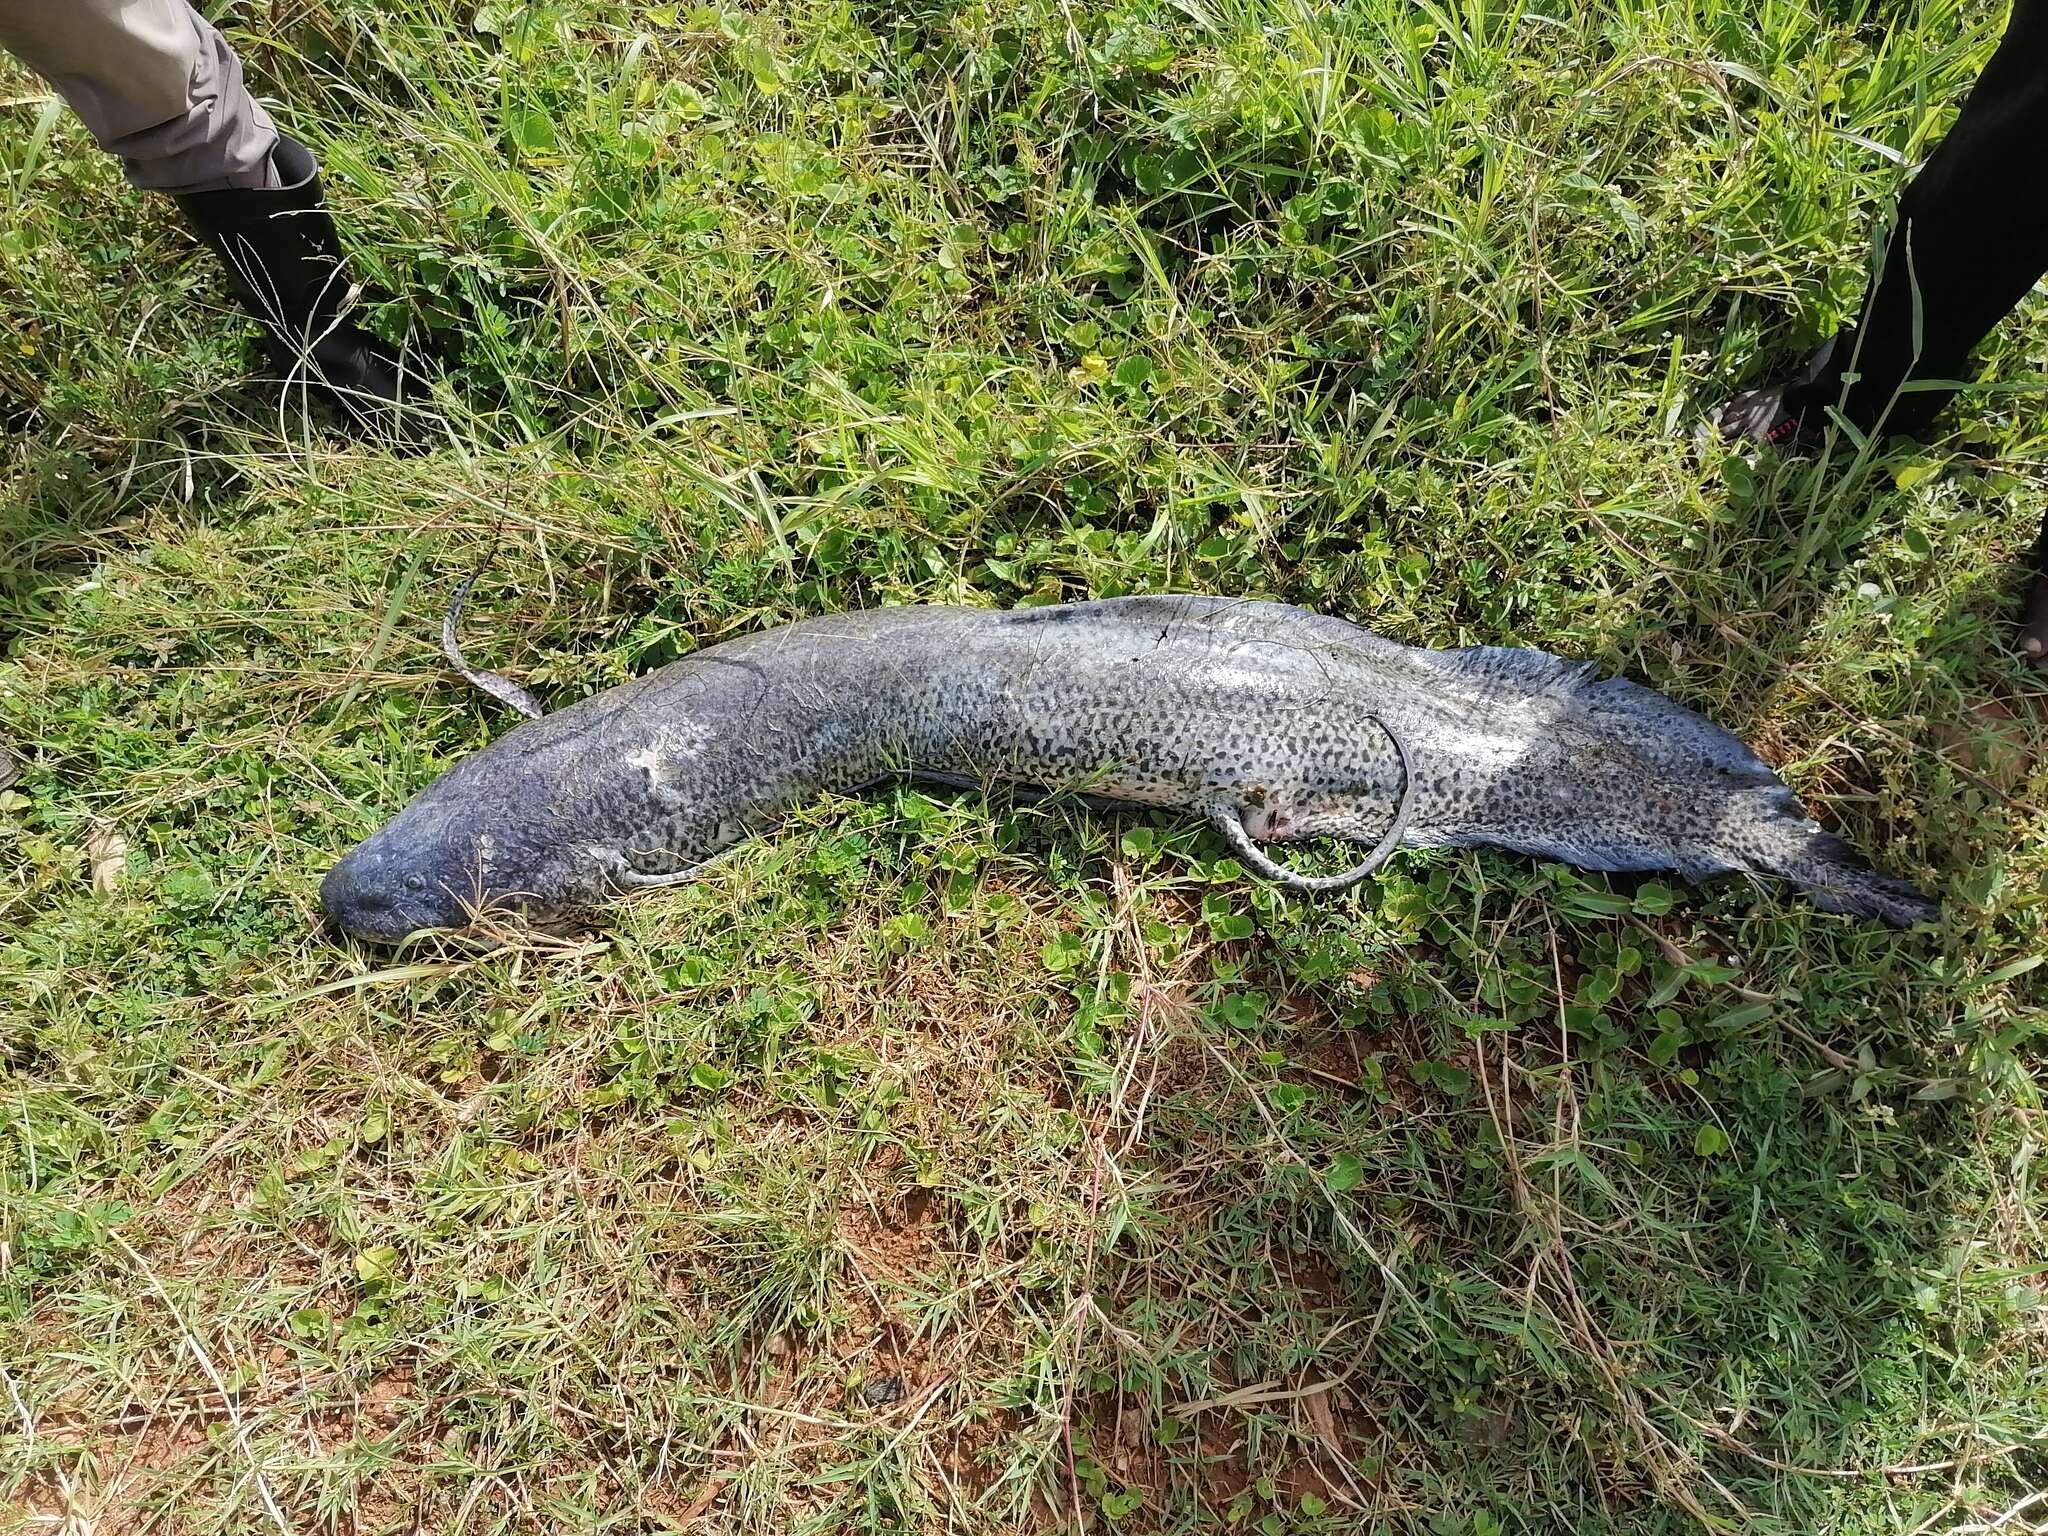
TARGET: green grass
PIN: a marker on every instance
(1492, 1199)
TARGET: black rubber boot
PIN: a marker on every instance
(285, 265)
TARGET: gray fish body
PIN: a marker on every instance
(1280, 722)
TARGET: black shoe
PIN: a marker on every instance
(1789, 415)
(1775, 415)
(2033, 635)
(285, 265)
(2033, 629)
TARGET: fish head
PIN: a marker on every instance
(495, 833)
(419, 872)
(429, 867)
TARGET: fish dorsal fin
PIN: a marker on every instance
(1535, 671)
(1654, 722)
(501, 688)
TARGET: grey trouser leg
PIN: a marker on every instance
(155, 83)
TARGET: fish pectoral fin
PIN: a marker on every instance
(1228, 819)
(631, 879)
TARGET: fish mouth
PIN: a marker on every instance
(386, 934)
(381, 909)
(375, 907)
(373, 927)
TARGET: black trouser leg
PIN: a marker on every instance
(1972, 236)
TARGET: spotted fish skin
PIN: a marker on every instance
(1284, 719)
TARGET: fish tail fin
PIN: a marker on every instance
(1750, 821)
(1720, 808)
(1838, 879)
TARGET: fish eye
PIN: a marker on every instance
(415, 882)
